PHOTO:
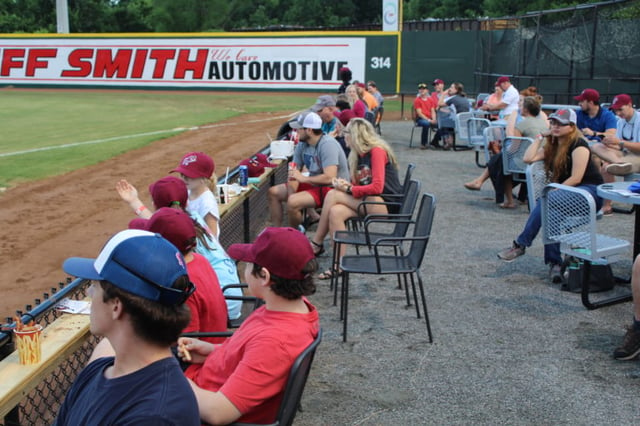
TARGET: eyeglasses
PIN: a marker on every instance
(627, 135)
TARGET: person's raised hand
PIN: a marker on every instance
(126, 191)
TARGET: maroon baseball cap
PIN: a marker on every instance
(437, 81)
(196, 165)
(283, 251)
(168, 192)
(620, 101)
(257, 164)
(503, 79)
(174, 225)
(588, 95)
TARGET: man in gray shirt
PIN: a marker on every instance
(323, 160)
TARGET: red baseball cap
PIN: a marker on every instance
(620, 101)
(257, 164)
(174, 225)
(283, 251)
(196, 165)
(503, 79)
(437, 81)
(168, 192)
(588, 95)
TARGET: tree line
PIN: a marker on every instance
(102, 16)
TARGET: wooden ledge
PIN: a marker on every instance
(59, 340)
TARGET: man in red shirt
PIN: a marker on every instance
(425, 110)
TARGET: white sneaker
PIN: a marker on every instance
(620, 169)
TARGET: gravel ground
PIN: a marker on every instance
(509, 347)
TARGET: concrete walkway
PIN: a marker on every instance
(509, 346)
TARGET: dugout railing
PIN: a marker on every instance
(39, 402)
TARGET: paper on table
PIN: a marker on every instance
(74, 306)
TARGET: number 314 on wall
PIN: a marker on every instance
(378, 62)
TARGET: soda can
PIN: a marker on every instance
(292, 166)
(244, 175)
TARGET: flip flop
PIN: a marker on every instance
(507, 206)
(319, 247)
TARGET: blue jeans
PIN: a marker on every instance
(425, 124)
(534, 222)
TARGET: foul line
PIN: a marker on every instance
(159, 132)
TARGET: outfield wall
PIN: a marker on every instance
(278, 61)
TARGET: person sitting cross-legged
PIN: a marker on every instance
(374, 171)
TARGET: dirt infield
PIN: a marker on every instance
(47, 221)
(72, 215)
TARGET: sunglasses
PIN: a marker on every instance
(558, 124)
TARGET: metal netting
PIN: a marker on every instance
(40, 406)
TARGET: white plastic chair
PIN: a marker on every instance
(569, 218)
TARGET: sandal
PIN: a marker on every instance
(328, 274)
(318, 249)
(507, 206)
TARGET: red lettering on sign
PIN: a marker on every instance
(10, 60)
(241, 57)
(161, 56)
(184, 64)
(80, 59)
(34, 62)
(138, 63)
(107, 66)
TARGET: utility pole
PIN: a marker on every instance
(62, 16)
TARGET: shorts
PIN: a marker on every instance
(317, 192)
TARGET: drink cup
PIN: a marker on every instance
(29, 345)
(292, 166)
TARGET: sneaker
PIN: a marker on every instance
(620, 169)
(511, 253)
(555, 274)
(630, 345)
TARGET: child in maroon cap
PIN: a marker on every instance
(207, 304)
(196, 169)
(244, 378)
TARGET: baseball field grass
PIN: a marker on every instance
(47, 132)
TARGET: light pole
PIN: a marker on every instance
(62, 16)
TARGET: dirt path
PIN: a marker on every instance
(47, 221)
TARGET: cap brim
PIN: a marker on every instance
(241, 252)
(295, 125)
(186, 172)
(139, 223)
(81, 267)
(578, 98)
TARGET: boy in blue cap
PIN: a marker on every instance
(140, 285)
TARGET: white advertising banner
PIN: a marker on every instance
(390, 15)
(238, 63)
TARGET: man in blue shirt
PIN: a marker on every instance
(596, 124)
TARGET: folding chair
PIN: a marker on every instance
(414, 117)
(569, 218)
(369, 235)
(405, 264)
(251, 301)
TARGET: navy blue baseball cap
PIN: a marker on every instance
(139, 262)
